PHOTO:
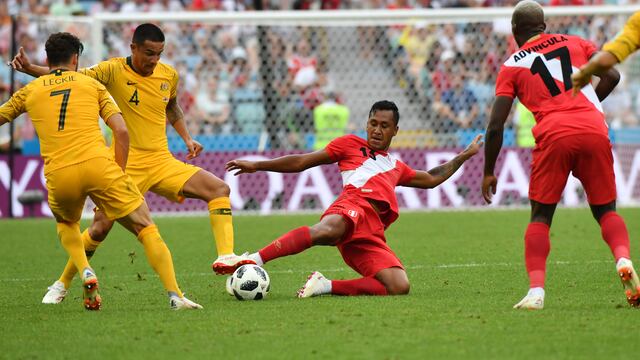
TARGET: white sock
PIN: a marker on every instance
(257, 258)
(326, 289)
(623, 261)
(536, 291)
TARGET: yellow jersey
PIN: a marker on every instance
(627, 41)
(142, 99)
(64, 107)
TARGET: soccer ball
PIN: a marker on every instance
(249, 282)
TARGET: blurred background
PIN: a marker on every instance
(269, 85)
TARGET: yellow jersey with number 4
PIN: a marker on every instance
(64, 107)
(142, 99)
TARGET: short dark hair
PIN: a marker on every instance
(60, 47)
(386, 105)
(146, 32)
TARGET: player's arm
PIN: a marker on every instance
(608, 81)
(439, 174)
(22, 63)
(283, 164)
(495, 129)
(175, 115)
(3, 120)
(120, 138)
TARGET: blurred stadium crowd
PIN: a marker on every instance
(297, 87)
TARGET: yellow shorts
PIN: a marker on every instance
(161, 174)
(99, 178)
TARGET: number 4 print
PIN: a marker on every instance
(538, 67)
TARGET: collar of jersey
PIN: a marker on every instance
(58, 72)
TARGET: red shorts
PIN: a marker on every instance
(364, 247)
(588, 157)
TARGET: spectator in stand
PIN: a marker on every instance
(459, 108)
(301, 58)
(451, 39)
(166, 6)
(246, 96)
(104, 6)
(442, 76)
(135, 6)
(418, 45)
(213, 106)
(66, 8)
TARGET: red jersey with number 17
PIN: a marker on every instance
(539, 75)
(370, 174)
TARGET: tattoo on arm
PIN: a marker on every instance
(447, 169)
(174, 112)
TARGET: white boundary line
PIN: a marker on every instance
(336, 270)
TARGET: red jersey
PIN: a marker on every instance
(370, 174)
(539, 75)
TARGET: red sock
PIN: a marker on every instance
(536, 250)
(293, 242)
(614, 233)
(363, 286)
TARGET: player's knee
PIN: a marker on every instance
(323, 234)
(99, 230)
(399, 287)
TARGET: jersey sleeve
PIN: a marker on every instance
(15, 105)
(406, 172)
(107, 106)
(627, 41)
(505, 84)
(103, 72)
(174, 84)
(337, 148)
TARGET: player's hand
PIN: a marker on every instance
(579, 79)
(245, 167)
(21, 61)
(194, 148)
(474, 147)
(489, 185)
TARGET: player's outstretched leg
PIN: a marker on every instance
(205, 186)
(92, 237)
(158, 254)
(390, 281)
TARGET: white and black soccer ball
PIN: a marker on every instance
(249, 282)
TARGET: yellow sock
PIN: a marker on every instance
(159, 257)
(221, 224)
(70, 238)
(70, 270)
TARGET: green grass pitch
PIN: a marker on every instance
(466, 271)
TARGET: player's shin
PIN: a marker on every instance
(70, 239)
(159, 257)
(70, 270)
(293, 242)
(536, 251)
(363, 286)
(615, 234)
(221, 224)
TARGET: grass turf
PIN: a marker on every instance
(466, 270)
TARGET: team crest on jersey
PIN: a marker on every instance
(352, 213)
(164, 86)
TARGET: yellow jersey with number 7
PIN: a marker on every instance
(64, 107)
(142, 99)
